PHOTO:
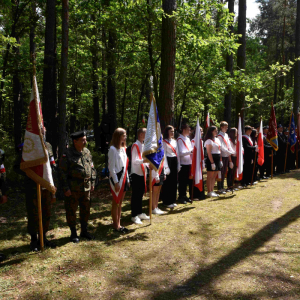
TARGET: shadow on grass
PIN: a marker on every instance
(206, 276)
(221, 198)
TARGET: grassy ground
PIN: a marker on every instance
(241, 246)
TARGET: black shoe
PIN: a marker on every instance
(124, 229)
(74, 237)
(49, 244)
(182, 200)
(87, 235)
(34, 246)
(2, 257)
(188, 199)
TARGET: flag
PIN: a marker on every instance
(207, 121)
(298, 128)
(272, 136)
(239, 152)
(35, 160)
(292, 134)
(153, 146)
(143, 119)
(260, 142)
(198, 158)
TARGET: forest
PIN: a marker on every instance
(94, 60)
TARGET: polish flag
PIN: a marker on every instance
(198, 158)
(260, 142)
(239, 152)
(207, 121)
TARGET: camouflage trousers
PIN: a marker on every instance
(71, 204)
(32, 209)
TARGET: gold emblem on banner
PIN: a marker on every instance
(28, 145)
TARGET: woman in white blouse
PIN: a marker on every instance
(214, 160)
(169, 189)
(118, 175)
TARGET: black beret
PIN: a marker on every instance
(77, 135)
(266, 127)
(279, 126)
(286, 130)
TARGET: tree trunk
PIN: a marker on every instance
(241, 53)
(229, 69)
(150, 48)
(123, 103)
(62, 103)
(111, 79)
(17, 99)
(49, 79)
(103, 84)
(297, 63)
(168, 54)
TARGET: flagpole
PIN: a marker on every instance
(287, 144)
(150, 195)
(39, 202)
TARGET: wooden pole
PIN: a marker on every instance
(287, 144)
(150, 196)
(272, 163)
(39, 201)
(254, 168)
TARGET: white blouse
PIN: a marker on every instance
(117, 159)
(170, 153)
(185, 150)
(136, 162)
(216, 145)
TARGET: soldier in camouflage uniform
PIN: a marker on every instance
(31, 202)
(77, 175)
(3, 188)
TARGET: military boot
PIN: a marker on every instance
(74, 237)
(84, 233)
(34, 245)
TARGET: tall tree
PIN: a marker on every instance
(229, 69)
(49, 79)
(62, 100)
(168, 54)
(297, 64)
(241, 53)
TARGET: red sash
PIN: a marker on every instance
(224, 140)
(216, 144)
(2, 169)
(249, 140)
(173, 149)
(142, 165)
(184, 143)
(159, 171)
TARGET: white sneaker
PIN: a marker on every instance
(136, 220)
(157, 211)
(213, 194)
(143, 217)
(170, 206)
(209, 194)
(174, 204)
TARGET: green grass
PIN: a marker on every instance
(241, 246)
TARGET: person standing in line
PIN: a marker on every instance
(169, 189)
(249, 155)
(118, 176)
(185, 153)
(254, 135)
(214, 160)
(282, 142)
(138, 178)
(226, 152)
(77, 175)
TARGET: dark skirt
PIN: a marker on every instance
(169, 189)
(197, 194)
(161, 178)
(216, 158)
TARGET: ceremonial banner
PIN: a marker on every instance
(153, 146)
(207, 121)
(292, 134)
(272, 136)
(239, 152)
(198, 157)
(260, 142)
(35, 160)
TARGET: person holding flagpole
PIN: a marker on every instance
(138, 178)
(169, 189)
(214, 161)
(185, 152)
(249, 156)
(118, 176)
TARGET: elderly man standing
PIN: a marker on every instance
(77, 176)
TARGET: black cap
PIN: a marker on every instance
(77, 135)
(286, 130)
(266, 127)
(279, 126)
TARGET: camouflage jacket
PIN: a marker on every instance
(77, 171)
(3, 187)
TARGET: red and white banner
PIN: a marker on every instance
(197, 162)
(207, 121)
(239, 152)
(260, 142)
(35, 160)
